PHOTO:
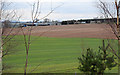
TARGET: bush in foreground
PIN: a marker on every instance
(95, 63)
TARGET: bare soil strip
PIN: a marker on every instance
(68, 31)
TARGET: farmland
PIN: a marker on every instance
(57, 50)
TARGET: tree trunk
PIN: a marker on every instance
(118, 30)
(104, 50)
(26, 63)
(118, 18)
(119, 57)
(1, 49)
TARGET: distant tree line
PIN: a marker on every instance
(85, 21)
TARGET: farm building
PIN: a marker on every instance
(46, 22)
(86, 21)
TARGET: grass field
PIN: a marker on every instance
(53, 55)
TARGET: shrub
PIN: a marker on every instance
(95, 63)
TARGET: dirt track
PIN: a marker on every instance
(81, 30)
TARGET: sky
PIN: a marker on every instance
(69, 9)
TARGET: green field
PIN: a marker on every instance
(50, 55)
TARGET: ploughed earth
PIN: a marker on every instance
(68, 31)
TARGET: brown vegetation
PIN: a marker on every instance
(67, 31)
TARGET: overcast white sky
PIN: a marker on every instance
(49, 0)
(57, 0)
(71, 9)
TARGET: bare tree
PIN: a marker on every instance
(35, 13)
(7, 32)
(115, 26)
(7, 41)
